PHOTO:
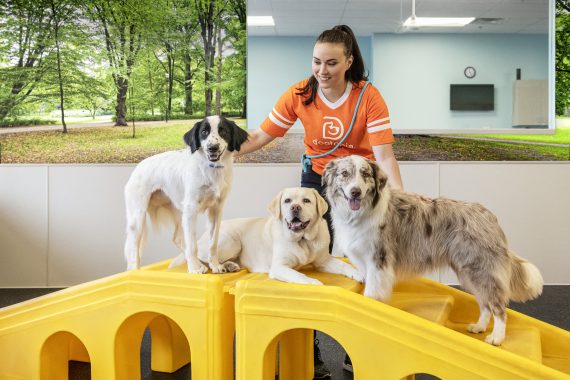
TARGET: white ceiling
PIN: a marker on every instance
(365, 17)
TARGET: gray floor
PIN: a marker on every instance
(552, 307)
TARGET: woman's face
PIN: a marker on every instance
(330, 64)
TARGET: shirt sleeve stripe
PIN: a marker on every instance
(382, 127)
(379, 121)
(278, 122)
(282, 117)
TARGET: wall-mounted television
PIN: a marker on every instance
(472, 97)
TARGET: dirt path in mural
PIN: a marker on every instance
(422, 148)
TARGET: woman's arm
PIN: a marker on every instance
(257, 139)
(384, 155)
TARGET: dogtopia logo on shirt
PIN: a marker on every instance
(331, 144)
(333, 129)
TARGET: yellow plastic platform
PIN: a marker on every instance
(389, 341)
(102, 322)
(194, 317)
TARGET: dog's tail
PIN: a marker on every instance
(526, 280)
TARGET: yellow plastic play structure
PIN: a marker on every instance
(195, 318)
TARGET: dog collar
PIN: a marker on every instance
(216, 166)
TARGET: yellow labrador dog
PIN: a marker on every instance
(294, 235)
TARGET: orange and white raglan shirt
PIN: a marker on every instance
(327, 123)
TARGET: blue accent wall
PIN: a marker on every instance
(412, 71)
(276, 63)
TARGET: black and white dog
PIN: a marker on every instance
(184, 183)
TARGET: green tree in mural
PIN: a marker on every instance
(124, 26)
(25, 42)
(209, 16)
(562, 56)
(237, 30)
(64, 56)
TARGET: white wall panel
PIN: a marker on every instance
(82, 208)
(255, 185)
(23, 226)
(86, 222)
(421, 177)
(532, 203)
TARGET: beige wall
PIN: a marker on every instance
(61, 225)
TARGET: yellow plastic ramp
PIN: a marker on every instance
(102, 322)
(417, 332)
(421, 330)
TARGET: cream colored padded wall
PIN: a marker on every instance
(86, 222)
(87, 217)
(85, 227)
(23, 226)
(532, 203)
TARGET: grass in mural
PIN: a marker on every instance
(92, 145)
(434, 148)
(116, 145)
(560, 136)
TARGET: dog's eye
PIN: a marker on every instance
(306, 200)
(287, 200)
(366, 175)
(204, 132)
(344, 173)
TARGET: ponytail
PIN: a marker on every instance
(340, 34)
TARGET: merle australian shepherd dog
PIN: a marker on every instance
(388, 234)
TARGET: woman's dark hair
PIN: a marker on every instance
(340, 34)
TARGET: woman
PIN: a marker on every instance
(326, 103)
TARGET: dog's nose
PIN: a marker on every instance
(355, 192)
(296, 208)
(213, 147)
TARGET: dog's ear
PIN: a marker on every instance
(380, 178)
(192, 138)
(329, 173)
(322, 205)
(274, 206)
(239, 136)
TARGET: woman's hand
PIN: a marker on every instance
(257, 139)
(384, 155)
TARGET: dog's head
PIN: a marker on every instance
(299, 208)
(215, 135)
(353, 180)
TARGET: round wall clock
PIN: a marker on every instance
(470, 72)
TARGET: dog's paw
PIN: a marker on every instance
(217, 268)
(475, 328)
(197, 268)
(494, 340)
(313, 281)
(377, 295)
(359, 278)
(132, 266)
(226, 267)
(353, 274)
(231, 266)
